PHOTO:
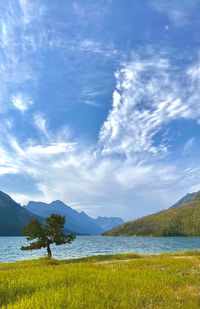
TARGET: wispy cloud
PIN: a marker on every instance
(30, 11)
(92, 46)
(188, 145)
(149, 94)
(40, 123)
(21, 102)
(17, 45)
(89, 45)
(4, 34)
(75, 172)
(90, 95)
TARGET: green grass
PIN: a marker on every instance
(117, 281)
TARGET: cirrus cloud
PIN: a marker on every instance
(149, 94)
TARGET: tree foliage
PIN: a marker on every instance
(45, 235)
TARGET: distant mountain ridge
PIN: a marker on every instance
(76, 221)
(184, 199)
(13, 217)
(108, 223)
(195, 197)
(181, 220)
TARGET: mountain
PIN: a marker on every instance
(13, 217)
(195, 197)
(75, 221)
(79, 222)
(183, 220)
(108, 223)
(183, 199)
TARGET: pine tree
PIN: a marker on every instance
(51, 232)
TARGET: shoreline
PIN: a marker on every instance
(110, 257)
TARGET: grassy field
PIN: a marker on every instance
(117, 281)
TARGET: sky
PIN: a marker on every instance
(100, 103)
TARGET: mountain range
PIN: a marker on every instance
(108, 223)
(13, 217)
(76, 221)
(182, 219)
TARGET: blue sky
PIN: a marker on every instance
(100, 103)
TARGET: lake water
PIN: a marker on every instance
(94, 245)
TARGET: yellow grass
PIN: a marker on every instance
(118, 281)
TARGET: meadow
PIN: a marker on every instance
(115, 281)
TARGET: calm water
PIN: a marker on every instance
(94, 245)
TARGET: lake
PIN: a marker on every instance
(94, 245)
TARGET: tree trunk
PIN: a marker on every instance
(49, 250)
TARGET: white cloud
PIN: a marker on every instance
(40, 123)
(89, 45)
(195, 188)
(116, 98)
(54, 148)
(72, 173)
(91, 102)
(4, 34)
(8, 169)
(149, 94)
(23, 199)
(92, 46)
(17, 46)
(30, 11)
(89, 96)
(21, 102)
(24, 8)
